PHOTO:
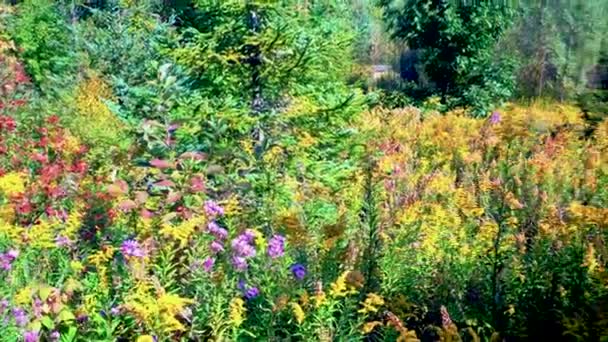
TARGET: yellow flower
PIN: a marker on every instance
(12, 183)
(237, 311)
(339, 288)
(42, 234)
(298, 313)
(145, 338)
(7, 213)
(369, 326)
(371, 303)
(306, 140)
(76, 266)
(183, 231)
(24, 296)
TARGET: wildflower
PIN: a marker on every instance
(276, 246)
(214, 229)
(298, 313)
(12, 184)
(495, 118)
(370, 326)
(146, 338)
(20, 317)
(242, 247)
(237, 311)
(213, 209)
(340, 288)
(298, 271)
(7, 258)
(31, 336)
(319, 297)
(208, 264)
(131, 248)
(239, 263)
(115, 311)
(252, 293)
(371, 303)
(216, 247)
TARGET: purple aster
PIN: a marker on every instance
(131, 248)
(208, 264)
(252, 292)
(239, 263)
(20, 317)
(276, 247)
(242, 248)
(495, 118)
(213, 209)
(214, 229)
(115, 311)
(31, 336)
(216, 247)
(248, 235)
(298, 271)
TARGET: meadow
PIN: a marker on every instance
(147, 195)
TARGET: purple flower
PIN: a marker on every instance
(213, 209)
(248, 235)
(115, 311)
(12, 254)
(495, 118)
(276, 247)
(7, 258)
(239, 263)
(216, 247)
(214, 229)
(131, 248)
(298, 271)
(62, 241)
(20, 317)
(242, 248)
(251, 293)
(31, 336)
(208, 264)
(55, 335)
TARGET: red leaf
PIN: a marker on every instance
(173, 197)
(127, 205)
(161, 164)
(165, 183)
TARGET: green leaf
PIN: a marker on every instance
(47, 322)
(65, 315)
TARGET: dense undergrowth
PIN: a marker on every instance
(152, 198)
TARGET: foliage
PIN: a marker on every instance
(207, 172)
(44, 58)
(457, 44)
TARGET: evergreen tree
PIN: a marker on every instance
(458, 48)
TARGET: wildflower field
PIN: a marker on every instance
(146, 194)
